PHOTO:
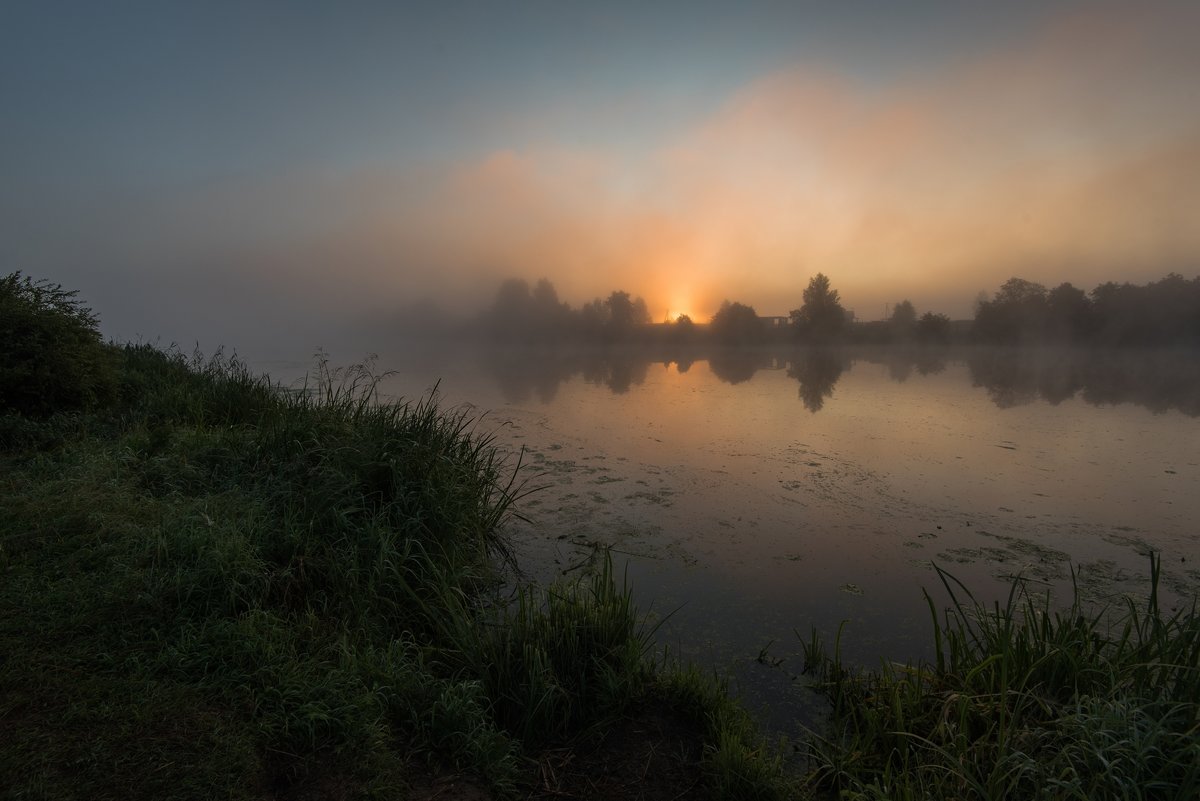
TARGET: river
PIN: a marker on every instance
(750, 496)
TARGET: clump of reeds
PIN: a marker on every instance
(1022, 700)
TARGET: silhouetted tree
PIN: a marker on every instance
(932, 328)
(1068, 314)
(736, 324)
(683, 329)
(1164, 312)
(1016, 314)
(903, 321)
(822, 317)
(624, 314)
(593, 318)
(536, 315)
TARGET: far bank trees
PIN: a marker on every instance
(520, 313)
(822, 317)
(1163, 312)
(737, 324)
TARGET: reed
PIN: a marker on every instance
(1023, 699)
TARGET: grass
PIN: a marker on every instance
(1023, 700)
(211, 587)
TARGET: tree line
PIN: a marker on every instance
(521, 312)
(1164, 312)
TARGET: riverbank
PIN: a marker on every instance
(216, 587)
(213, 588)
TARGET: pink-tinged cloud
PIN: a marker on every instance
(1069, 156)
(1073, 154)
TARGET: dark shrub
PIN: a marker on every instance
(51, 355)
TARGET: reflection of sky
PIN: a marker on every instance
(292, 167)
(760, 517)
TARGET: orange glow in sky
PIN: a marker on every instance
(1062, 147)
(1070, 157)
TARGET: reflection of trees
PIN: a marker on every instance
(818, 371)
(902, 360)
(618, 369)
(524, 372)
(733, 366)
(900, 368)
(1159, 380)
(1001, 374)
(929, 360)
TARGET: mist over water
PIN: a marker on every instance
(756, 493)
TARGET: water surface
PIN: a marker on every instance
(753, 495)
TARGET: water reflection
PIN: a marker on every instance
(737, 365)
(1157, 380)
(761, 489)
(818, 371)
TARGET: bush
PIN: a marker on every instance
(53, 358)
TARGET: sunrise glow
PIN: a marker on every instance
(932, 164)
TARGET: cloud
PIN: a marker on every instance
(1073, 154)
(1070, 155)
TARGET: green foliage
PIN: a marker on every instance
(1021, 701)
(222, 588)
(738, 760)
(258, 552)
(52, 359)
(561, 656)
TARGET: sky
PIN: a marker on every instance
(273, 175)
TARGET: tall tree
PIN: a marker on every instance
(822, 317)
(903, 320)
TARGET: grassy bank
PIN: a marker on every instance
(1025, 699)
(214, 588)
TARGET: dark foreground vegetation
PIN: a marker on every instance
(213, 588)
(1023, 700)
